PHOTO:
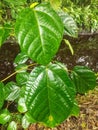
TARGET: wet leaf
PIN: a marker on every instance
(11, 91)
(25, 122)
(22, 105)
(83, 78)
(21, 78)
(12, 126)
(39, 31)
(5, 116)
(49, 94)
(75, 110)
(21, 58)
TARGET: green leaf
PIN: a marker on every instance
(61, 65)
(70, 27)
(21, 58)
(11, 91)
(39, 31)
(83, 78)
(12, 126)
(25, 122)
(21, 68)
(21, 78)
(4, 116)
(22, 91)
(1, 94)
(22, 105)
(4, 33)
(49, 94)
(29, 118)
(75, 110)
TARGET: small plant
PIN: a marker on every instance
(45, 93)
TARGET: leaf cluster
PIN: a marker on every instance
(46, 93)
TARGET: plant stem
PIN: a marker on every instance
(17, 72)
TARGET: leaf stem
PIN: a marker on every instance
(17, 72)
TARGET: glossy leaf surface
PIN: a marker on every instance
(39, 31)
(49, 94)
(25, 122)
(22, 106)
(21, 68)
(11, 91)
(21, 58)
(83, 78)
(12, 126)
(75, 110)
(21, 78)
(4, 116)
(28, 117)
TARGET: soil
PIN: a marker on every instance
(85, 53)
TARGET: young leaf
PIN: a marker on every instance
(21, 78)
(1, 94)
(25, 122)
(21, 58)
(83, 78)
(39, 31)
(11, 91)
(21, 68)
(22, 105)
(49, 94)
(12, 126)
(4, 116)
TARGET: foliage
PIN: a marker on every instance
(4, 33)
(35, 43)
(81, 84)
(46, 93)
(84, 12)
(12, 126)
(9, 10)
